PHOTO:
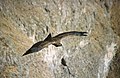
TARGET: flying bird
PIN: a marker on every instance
(52, 40)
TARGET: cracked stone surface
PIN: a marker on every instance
(24, 22)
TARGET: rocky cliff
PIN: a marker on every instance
(24, 22)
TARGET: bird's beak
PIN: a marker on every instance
(27, 52)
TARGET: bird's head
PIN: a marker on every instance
(35, 48)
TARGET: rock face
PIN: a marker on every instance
(24, 22)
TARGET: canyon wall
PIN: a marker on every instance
(25, 22)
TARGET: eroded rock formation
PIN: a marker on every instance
(24, 22)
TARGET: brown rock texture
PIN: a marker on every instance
(24, 22)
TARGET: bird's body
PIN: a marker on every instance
(52, 40)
